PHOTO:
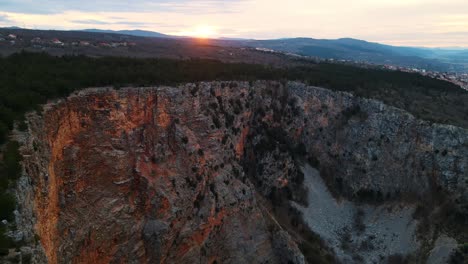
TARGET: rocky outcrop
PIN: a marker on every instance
(174, 174)
(366, 147)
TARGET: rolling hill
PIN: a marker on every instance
(136, 33)
(360, 50)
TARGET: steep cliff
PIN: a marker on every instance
(180, 174)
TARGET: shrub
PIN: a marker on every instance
(7, 205)
(3, 132)
(464, 248)
(314, 162)
(213, 105)
(351, 111)
(300, 150)
(358, 221)
(3, 251)
(5, 242)
(22, 126)
(12, 160)
(216, 122)
(397, 259)
(229, 120)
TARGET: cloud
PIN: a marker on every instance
(59, 6)
(100, 22)
(90, 22)
(4, 19)
(403, 22)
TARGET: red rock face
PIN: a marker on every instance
(174, 175)
(144, 176)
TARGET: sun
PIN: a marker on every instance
(201, 31)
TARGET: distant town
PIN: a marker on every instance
(43, 43)
(460, 79)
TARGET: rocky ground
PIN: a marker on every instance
(358, 233)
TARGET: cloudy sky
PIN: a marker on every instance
(429, 23)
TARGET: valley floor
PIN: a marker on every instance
(360, 233)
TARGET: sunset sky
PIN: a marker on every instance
(430, 23)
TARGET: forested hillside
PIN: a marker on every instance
(29, 79)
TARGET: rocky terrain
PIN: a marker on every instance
(221, 172)
(359, 232)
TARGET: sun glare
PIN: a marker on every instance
(201, 31)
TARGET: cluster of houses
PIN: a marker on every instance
(38, 42)
(42, 43)
(11, 38)
(460, 79)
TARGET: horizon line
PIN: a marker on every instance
(169, 35)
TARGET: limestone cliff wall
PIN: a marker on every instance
(172, 174)
(141, 176)
(370, 146)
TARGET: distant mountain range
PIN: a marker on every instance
(437, 59)
(137, 33)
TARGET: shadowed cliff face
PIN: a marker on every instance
(176, 175)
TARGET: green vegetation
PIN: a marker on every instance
(11, 160)
(460, 255)
(9, 171)
(5, 242)
(7, 205)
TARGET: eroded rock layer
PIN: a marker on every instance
(177, 174)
